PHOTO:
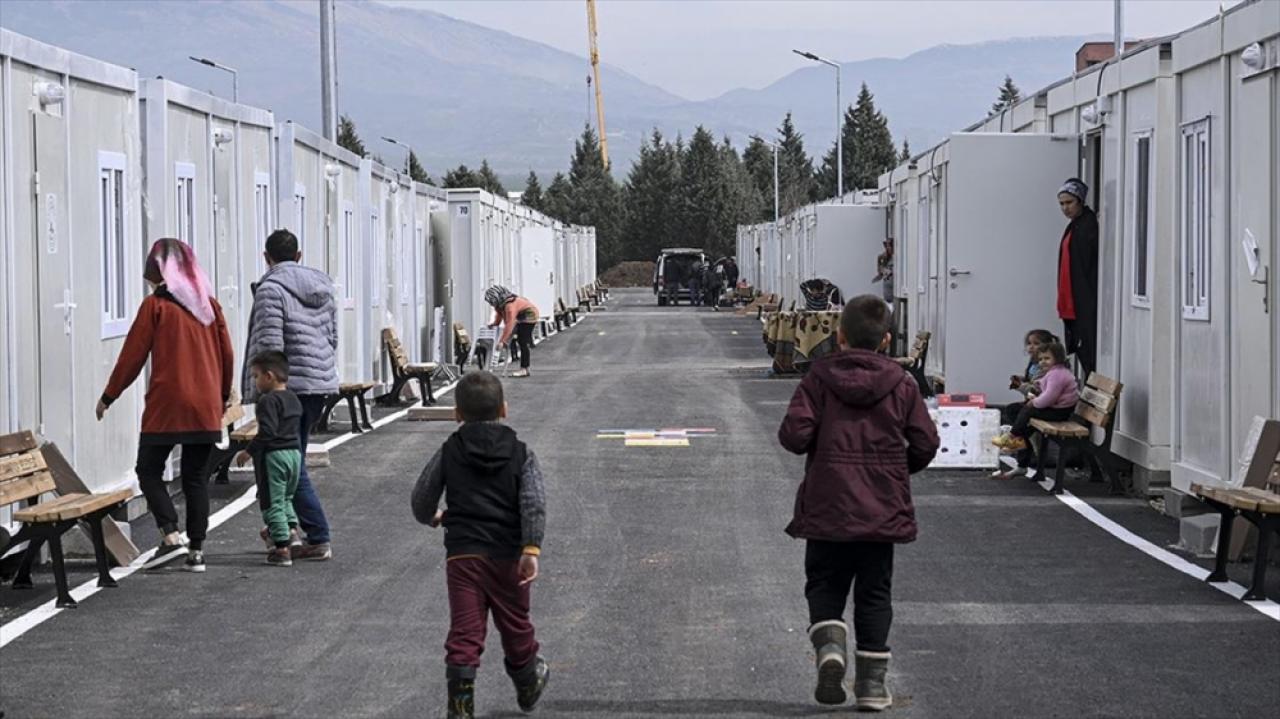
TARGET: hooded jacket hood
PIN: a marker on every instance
(310, 286)
(487, 446)
(860, 378)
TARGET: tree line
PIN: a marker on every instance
(695, 193)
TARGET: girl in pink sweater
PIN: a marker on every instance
(1053, 398)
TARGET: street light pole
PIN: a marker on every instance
(839, 130)
(407, 151)
(235, 76)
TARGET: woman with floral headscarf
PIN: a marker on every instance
(517, 316)
(180, 328)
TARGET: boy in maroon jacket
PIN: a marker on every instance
(859, 419)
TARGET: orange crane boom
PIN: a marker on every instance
(595, 69)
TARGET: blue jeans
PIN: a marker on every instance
(306, 503)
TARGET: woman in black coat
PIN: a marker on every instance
(1078, 275)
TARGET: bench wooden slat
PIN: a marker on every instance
(71, 506)
(246, 433)
(1060, 429)
(1090, 414)
(355, 387)
(1104, 383)
(26, 487)
(1102, 401)
(20, 465)
(17, 442)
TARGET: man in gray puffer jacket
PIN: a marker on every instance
(294, 313)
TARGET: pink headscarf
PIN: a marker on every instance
(173, 263)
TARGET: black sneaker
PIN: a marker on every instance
(195, 561)
(165, 553)
(530, 683)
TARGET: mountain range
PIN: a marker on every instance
(459, 92)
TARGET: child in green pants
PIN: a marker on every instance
(275, 451)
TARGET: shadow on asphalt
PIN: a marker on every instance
(696, 707)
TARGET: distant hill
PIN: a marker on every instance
(459, 92)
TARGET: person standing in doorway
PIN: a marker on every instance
(1078, 275)
(180, 329)
(294, 313)
(518, 316)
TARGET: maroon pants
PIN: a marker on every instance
(479, 586)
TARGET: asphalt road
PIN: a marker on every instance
(668, 588)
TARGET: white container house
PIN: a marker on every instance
(319, 197)
(207, 165)
(71, 221)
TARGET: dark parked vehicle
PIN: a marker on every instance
(675, 274)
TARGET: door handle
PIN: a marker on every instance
(956, 272)
(66, 305)
(1266, 288)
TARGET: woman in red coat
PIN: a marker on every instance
(180, 328)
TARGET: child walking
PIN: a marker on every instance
(277, 460)
(859, 419)
(493, 527)
(1053, 399)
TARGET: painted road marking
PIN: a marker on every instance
(657, 442)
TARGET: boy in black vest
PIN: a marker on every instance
(492, 536)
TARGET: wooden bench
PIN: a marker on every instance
(403, 371)
(1096, 408)
(602, 290)
(564, 315)
(461, 345)
(219, 464)
(353, 393)
(915, 359)
(585, 301)
(25, 475)
(1257, 501)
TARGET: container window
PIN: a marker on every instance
(185, 202)
(1142, 218)
(348, 256)
(262, 215)
(1195, 230)
(111, 242)
(379, 268)
(300, 214)
(922, 245)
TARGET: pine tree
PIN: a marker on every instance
(489, 181)
(556, 201)
(532, 195)
(594, 198)
(348, 138)
(417, 172)
(702, 192)
(757, 160)
(1009, 95)
(648, 197)
(796, 185)
(906, 151)
(460, 177)
(742, 200)
(868, 148)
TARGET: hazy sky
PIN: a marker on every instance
(702, 48)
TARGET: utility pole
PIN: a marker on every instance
(328, 77)
(1119, 28)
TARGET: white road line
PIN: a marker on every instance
(1191, 569)
(15, 628)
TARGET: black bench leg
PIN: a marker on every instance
(100, 552)
(60, 574)
(364, 412)
(1060, 469)
(322, 425)
(1219, 573)
(1266, 527)
(1041, 445)
(22, 580)
(392, 398)
(355, 418)
(424, 389)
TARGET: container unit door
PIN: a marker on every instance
(1256, 156)
(55, 311)
(1007, 267)
(421, 281)
(348, 291)
(537, 249)
(405, 271)
(225, 272)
